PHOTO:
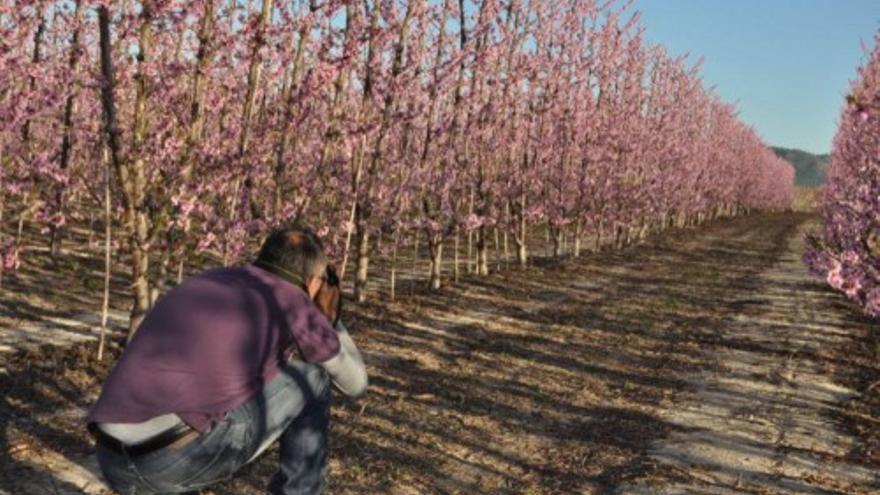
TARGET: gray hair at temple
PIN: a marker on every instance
(294, 251)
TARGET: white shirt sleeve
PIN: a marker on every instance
(346, 369)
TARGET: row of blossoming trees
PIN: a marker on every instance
(373, 119)
(848, 252)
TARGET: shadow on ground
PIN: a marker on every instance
(546, 379)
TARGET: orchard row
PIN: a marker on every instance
(848, 251)
(209, 121)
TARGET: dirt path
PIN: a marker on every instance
(762, 422)
(699, 363)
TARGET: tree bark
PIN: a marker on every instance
(284, 139)
(91, 242)
(255, 72)
(643, 231)
(131, 174)
(522, 253)
(547, 241)
(482, 252)
(456, 272)
(521, 239)
(359, 209)
(197, 101)
(363, 263)
(332, 133)
(108, 245)
(161, 280)
(436, 247)
(67, 124)
(20, 229)
(415, 264)
(556, 235)
(2, 200)
(35, 59)
(394, 267)
(470, 252)
(188, 158)
(506, 245)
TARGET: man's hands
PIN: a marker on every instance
(329, 296)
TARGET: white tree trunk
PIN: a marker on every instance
(108, 243)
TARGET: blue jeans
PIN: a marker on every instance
(293, 408)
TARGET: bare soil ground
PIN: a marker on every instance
(764, 420)
(703, 362)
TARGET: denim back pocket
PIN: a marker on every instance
(203, 462)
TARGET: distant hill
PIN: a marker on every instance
(809, 168)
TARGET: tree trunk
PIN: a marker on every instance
(505, 243)
(547, 241)
(197, 99)
(255, 72)
(161, 282)
(180, 266)
(19, 232)
(521, 252)
(141, 256)
(363, 262)
(108, 246)
(359, 158)
(681, 220)
(470, 252)
(482, 252)
(26, 127)
(643, 231)
(91, 241)
(284, 140)
(455, 269)
(470, 238)
(497, 251)
(415, 264)
(522, 249)
(436, 247)
(131, 175)
(394, 267)
(2, 203)
(360, 209)
(67, 123)
(557, 236)
(353, 220)
(578, 232)
(35, 60)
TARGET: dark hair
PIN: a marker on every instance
(295, 251)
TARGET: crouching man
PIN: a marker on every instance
(225, 364)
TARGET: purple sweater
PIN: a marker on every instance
(211, 344)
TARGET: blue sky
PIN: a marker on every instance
(786, 63)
